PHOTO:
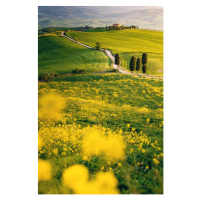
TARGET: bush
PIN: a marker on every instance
(98, 45)
(78, 71)
(117, 60)
(138, 64)
(46, 76)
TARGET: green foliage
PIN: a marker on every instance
(138, 64)
(144, 61)
(117, 59)
(144, 68)
(98, 46)
(144, 58)
(78, 71)
(132, 63)
(47, 76)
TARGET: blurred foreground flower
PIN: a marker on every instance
(50, 107)
(44, 170)
(112, 146)
(76, 178)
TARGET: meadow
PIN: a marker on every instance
(110, 129)
(134, 43)
(59, 55)
(100, 132)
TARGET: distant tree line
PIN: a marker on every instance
(84, 28)
(50, 30)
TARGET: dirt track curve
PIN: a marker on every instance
(109, 54)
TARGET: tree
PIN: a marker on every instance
(132, 63)
(117, 61)
(98, 45)
(138, 64)
(144, 62)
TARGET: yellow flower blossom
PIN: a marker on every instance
(55, 151)
(156, 161)
(119, 165)
(143, 150)
(44, 170)
(75, 177)
(85, 158)
(40, 142)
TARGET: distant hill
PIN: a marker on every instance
(72, 16)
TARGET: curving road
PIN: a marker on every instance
(109, 54)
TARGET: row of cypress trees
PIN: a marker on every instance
(135, 64)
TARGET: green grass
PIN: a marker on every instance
(60, 55)
(128, 43)
(112, 100)
(116, 101)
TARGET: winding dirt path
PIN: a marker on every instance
(110, 55)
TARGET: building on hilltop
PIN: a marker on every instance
(118, 25)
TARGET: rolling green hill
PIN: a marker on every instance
(60, 55)
(129, 43)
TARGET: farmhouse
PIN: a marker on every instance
(118, 25)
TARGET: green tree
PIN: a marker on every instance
(144, 62)
(117, 60)
(98, 45)
(132, 63)
(138, 64)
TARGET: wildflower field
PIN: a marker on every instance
(100, 134)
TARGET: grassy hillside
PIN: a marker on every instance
(60, 55)
(129, 43)
(114, 106)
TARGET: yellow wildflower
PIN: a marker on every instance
(75, 177)
(156, 161)
(119, 165)
(143, 150)
(105, 183)
(85, 158)
(44, 170)
(40, 142)
(55, 151)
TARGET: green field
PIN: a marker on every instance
(60, 55)
(129, 43)
(121, 104)
(102, 132)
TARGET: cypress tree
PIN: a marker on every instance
(144, 61)
(138, 64)
(144, 68)
(132, 63)
(117, 59)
